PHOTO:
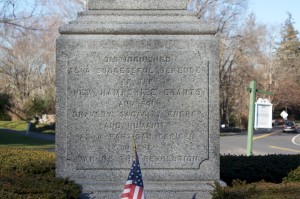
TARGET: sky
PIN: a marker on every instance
(274, 12)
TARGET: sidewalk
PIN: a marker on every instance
(30, 134)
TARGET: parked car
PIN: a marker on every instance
(289, 126)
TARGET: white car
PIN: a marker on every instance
(289, 126)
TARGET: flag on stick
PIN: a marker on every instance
(134, 187)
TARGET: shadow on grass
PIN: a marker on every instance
(43, 128)
(23, 125)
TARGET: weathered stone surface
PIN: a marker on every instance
(138, 4)
(158, 189)
(117, 81)
(138, 22)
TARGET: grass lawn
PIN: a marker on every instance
(22, 126)
(13, 140)
(14, 125)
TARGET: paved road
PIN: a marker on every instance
(265, 142)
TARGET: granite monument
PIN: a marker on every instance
(138, 69)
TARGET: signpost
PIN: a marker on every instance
(263, 114)
(251, 116)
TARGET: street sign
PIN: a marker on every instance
(252, 115)
(263, 114)
(284, 115)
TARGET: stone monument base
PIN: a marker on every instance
(138, 69)
(153, 190)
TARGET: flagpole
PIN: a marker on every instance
(134, 147)
(134, 187)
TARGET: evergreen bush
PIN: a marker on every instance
(293, 176)
(31, 174)
(242, 190)
(270, 168)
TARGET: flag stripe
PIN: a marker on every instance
(126, 191)
(140, 194)
(136, 192)
(143, 197)
(132, 191)
(128, 182)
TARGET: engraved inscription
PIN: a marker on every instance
(121, 136)
(137, 59)
(137, 82)
(150, 96)
(127, 92)
(90, 114)
(100, 70)
(183, 92)
(107, 159)
(146, 125)
(171, 158)
(78, 70)
(181, 70)
(137, 104)
(184, 114)
(83, 93)
(139, 92)
(139, 114)
(125, 70)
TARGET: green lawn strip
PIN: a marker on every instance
(14, 125)
(13, 140)
(22, 126)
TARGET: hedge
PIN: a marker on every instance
(270, 168)
(30, 174)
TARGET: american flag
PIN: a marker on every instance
(134, 187)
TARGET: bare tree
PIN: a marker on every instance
(27, 60)
(27, 70)
(65, 10)
(17, 17)
(226, 15)
(286, 77)
(243, 58)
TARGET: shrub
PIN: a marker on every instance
(23, 161)
(31, 174)
(259, 171)
(293, 176)
(271, 168)
(36, 186)
(242, 190)
(4, 102)
(40, 104)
